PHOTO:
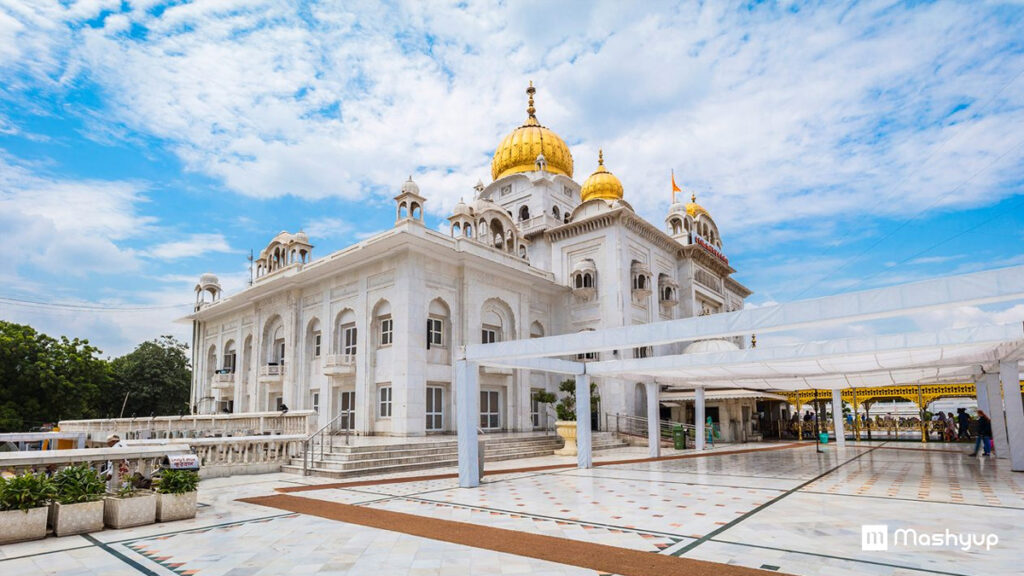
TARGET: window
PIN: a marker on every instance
(229, 362)
(489, 335)
(384, 402)
(556, 212)
(506, 190)
(280, 352)
(316, 402)
(524, 213)
(316, 345)
(386, 328)
(435, 333)
(642, 352)
(435, 408)
(348, 337)
(587, 356)
(535, 408)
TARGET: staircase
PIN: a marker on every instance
(606, 441)
(351, 461)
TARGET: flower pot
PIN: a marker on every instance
(80, 518)
(135, 510)
(566, 429)
(21, 525)
(171, 507)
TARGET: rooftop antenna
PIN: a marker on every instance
(250, 266)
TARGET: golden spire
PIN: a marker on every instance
(600, 157)
(530, 110)
(693, 196)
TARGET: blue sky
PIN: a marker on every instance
(837, 146)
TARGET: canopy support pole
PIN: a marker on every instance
(653, 420)
(997, 413)
(698, 417)
(583, 443)
(467, 413)
(1009, 375)
(837, 418)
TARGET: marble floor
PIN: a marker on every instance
(791, 510)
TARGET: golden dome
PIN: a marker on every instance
(692, 208)
(601, 184)
(519, 150)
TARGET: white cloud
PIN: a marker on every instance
(327, 228)
(774, 118)
(190, 247)
(67, 226)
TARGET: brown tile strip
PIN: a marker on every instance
(605, 559)
(356, 483)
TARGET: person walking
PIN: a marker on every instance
(984, 434)
(963, 421)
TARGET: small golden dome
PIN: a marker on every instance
(601, 184)
(692, 208)
(519, 151)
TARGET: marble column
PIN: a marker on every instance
(1009, 376)
(467, 394)
(837, 418)
(698, 404)
(583, 445)
(653, 420)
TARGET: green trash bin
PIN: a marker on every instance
(823, 437)
(679, 437)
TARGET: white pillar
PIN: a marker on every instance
(1009, 376)
(653, 420)
(583, 455)
(837, 418)
(698, 405)
(998, 415)
(981, 394)
(467, 394)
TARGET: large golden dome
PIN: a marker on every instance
(601, 184)
(519, 150)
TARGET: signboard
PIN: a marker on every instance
(181, 462)
(710, 248)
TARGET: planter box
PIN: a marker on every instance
(171, 507)
(18, 526)
(127, 512)
(80, 518)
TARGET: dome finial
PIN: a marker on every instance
(530, 110)
(693, 196)
(600, 157)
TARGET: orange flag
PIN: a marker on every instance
(675, 187)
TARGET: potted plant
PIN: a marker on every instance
(565, 426)
(23, 507)
(78, 505)
(176, 495)
(130, 506)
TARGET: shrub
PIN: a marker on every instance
(78, 483)
(177, 482)
(25, 492)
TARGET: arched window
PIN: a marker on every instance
(588, 280)
(556, 213)
(456, 229)
(524, 213)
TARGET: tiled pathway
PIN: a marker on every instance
(792, 511)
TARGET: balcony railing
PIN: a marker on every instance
(272, 371)
(340, 364)
(244, 424)
(222, 380)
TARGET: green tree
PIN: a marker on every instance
(156, 378)
(43, 380)
(566, 407)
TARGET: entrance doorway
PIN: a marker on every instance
(435, 408)
(347, 411)
(490, 410)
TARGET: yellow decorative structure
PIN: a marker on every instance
(519, 151)
(692, 208)
(921, 395)
(602, 184)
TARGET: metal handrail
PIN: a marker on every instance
(637, 426)
(310, 442)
